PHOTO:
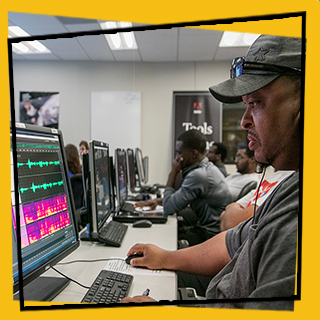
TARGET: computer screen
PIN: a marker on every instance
(42, 196)
(139, 164)
(131, 169)
(121, 176)
(101, 205)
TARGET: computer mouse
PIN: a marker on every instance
(144, 223)
(132, 256)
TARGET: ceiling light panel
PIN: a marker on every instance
(237, 39)
(25, 47)
(119, 40)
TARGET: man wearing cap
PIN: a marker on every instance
(254, 264)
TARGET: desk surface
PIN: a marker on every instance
(162, 287)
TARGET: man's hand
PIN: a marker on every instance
(153, 256)
(152, 203)
(137, 299)
(176, 165)
(176, 168)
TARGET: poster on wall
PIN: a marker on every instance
(197, 110)
(40, 108)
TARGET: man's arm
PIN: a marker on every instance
(207, 258)
(193, 185)
(234, 214)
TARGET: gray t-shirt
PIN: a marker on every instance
(263, 253)
(205, 190)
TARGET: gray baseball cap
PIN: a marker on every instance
(268, 58)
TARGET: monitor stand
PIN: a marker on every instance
(85, 235)
(43, 289)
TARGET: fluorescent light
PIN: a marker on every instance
(25, 46)
(119, 40)
(230, 38)
(37, 45)
(116, 40)
(128, 36)
(16, 31)
(237, 39)
(19, 48)
(249, 38)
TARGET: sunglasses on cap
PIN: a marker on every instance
(240, 65)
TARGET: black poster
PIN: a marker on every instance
(197, 110)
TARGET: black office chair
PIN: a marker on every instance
(78, 196)
(247, 188)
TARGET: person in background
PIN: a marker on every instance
(73, 160)
(253, 265)
(203, 189)
(217, 153)
(83, 148)
(244, 208)
(246, 171)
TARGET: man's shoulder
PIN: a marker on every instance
(203, 172)
(243, 176)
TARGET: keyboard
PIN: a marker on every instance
(112, 233)
(127, 207)
(108, 287)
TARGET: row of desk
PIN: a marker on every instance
(162, 286)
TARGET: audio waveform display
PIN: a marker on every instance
(34, 146)
(41, 164)
(23, 229)
(42, 228)
(42, 218)
(44, 186)
(44, 208)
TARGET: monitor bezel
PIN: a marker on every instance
(139, 165)
(116, 159)
(129, 173)
(145, 165)
(96, 226)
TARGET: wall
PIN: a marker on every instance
(156, 81)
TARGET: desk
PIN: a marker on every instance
(161, 287)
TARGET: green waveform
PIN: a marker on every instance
(38, 163)
(44, 186)
(25, 145)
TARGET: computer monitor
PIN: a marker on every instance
(131, 170)
(98, 189)
(139, 164)
(121, 176)
(145, 164)
(41, 196)
(100, 183)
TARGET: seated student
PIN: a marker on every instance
(243, 209)
(73, 160)
(246, 171)
(203, 189)
(253, 265)
(217, 153)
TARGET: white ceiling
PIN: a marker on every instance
(162, 45)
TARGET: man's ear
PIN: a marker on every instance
(252, 160)
(195, 153)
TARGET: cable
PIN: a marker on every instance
(75, 261)
(97, 260)
(70, 278)
(255, 204)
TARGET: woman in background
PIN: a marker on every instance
(73, 160)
